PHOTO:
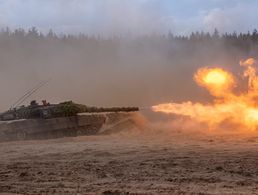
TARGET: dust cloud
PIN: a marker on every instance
(117, 71)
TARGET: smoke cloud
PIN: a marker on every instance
(142, 71)
(104, 70)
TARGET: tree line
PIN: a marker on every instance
(242, 41)
(194, 36)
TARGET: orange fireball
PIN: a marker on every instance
(227, 107)
(216, 80)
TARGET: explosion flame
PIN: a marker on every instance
(228, 107)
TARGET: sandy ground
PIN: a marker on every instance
(148, 162)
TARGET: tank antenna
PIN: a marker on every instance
(29, 93)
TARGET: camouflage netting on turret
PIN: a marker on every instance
(71, 109)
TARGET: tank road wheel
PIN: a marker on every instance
(21, 135)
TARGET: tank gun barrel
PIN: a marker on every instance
(112, 109)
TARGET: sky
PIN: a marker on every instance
(130, 16)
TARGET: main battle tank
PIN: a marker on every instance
(45, 121)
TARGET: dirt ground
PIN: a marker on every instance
(137, 162)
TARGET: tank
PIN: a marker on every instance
(66, 119)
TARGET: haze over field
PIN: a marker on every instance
(128, 54)
(139, 71)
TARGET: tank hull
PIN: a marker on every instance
(82, 124)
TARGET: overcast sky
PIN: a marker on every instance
(134, 16)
